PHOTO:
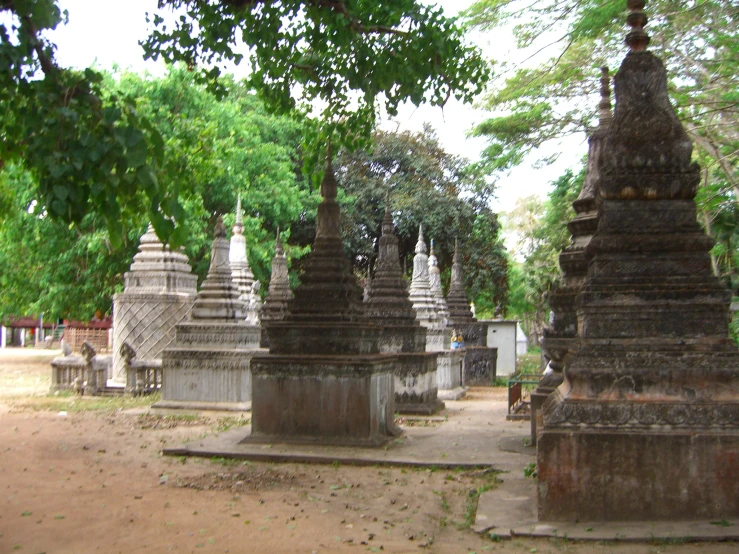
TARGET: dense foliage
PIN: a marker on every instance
(541, 227)
(91, 151)
(534, 103)
(213, 150)
(427, 186)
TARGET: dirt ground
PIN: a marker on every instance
(82, 475)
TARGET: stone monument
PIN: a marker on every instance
(207, 366)
(561, 334)
(645, 425)
(279, 293)
(240, 271)
(480, 363)
(438, 337)
(435, 285)
(324, 380)
(158, 293)
(389, 307)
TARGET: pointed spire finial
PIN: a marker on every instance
(431, 250)
(637, 40)
(455, 259)
(239, 221)
(328, 184)
(220, 231)
(387, 221)
(278, 243)
(604, 106)
(420, 245)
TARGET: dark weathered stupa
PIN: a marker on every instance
(324, 379)
(456, 299)
(279, 294)
(561, 335)
(389, 308)
(646, 423)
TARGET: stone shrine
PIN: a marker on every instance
(159, 290)
(435, 286)
(389, 308)
(561, 333)
(645, 425)
(241, 272)
(324, 380)
(207, 366)
(480, 362)
(279, 293)
(456, 299)
(438, 337)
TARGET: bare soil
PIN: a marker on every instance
(81, 475)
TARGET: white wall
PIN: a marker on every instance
(502, 335)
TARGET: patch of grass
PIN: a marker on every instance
(226, 423)
(444, 502)
(500, 382)
(473, 496)
(722, 523)
(228, 462)
(75, 404)
(530, 471)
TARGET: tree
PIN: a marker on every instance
(697, 41)
(91, 151)
(427, 186)
(542, 232)
(213, 149)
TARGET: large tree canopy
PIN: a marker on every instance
(698, 40)
(91, 151)
(427, 186)
(214, 149)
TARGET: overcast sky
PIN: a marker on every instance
(107, 32)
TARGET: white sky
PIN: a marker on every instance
(106, 32)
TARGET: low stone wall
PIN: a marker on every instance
(480, 366)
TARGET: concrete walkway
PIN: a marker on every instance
(470, 434)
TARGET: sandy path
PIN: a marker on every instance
(95, 481)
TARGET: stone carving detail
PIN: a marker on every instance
(456, 299)
(642, 415)
(159, 291)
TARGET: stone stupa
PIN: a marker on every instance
(389, 307)
(645, 425)
(435, 285)
(279, 294)
(561, 334)
(324, 380)
(438, 337)
(241, 272)
(207, 365)
(158, 293)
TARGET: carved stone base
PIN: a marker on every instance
(638, 461)
(337, 400)
(415, 384)
(480, 366)
(438, 339)
(449, 372)
(219, 377)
